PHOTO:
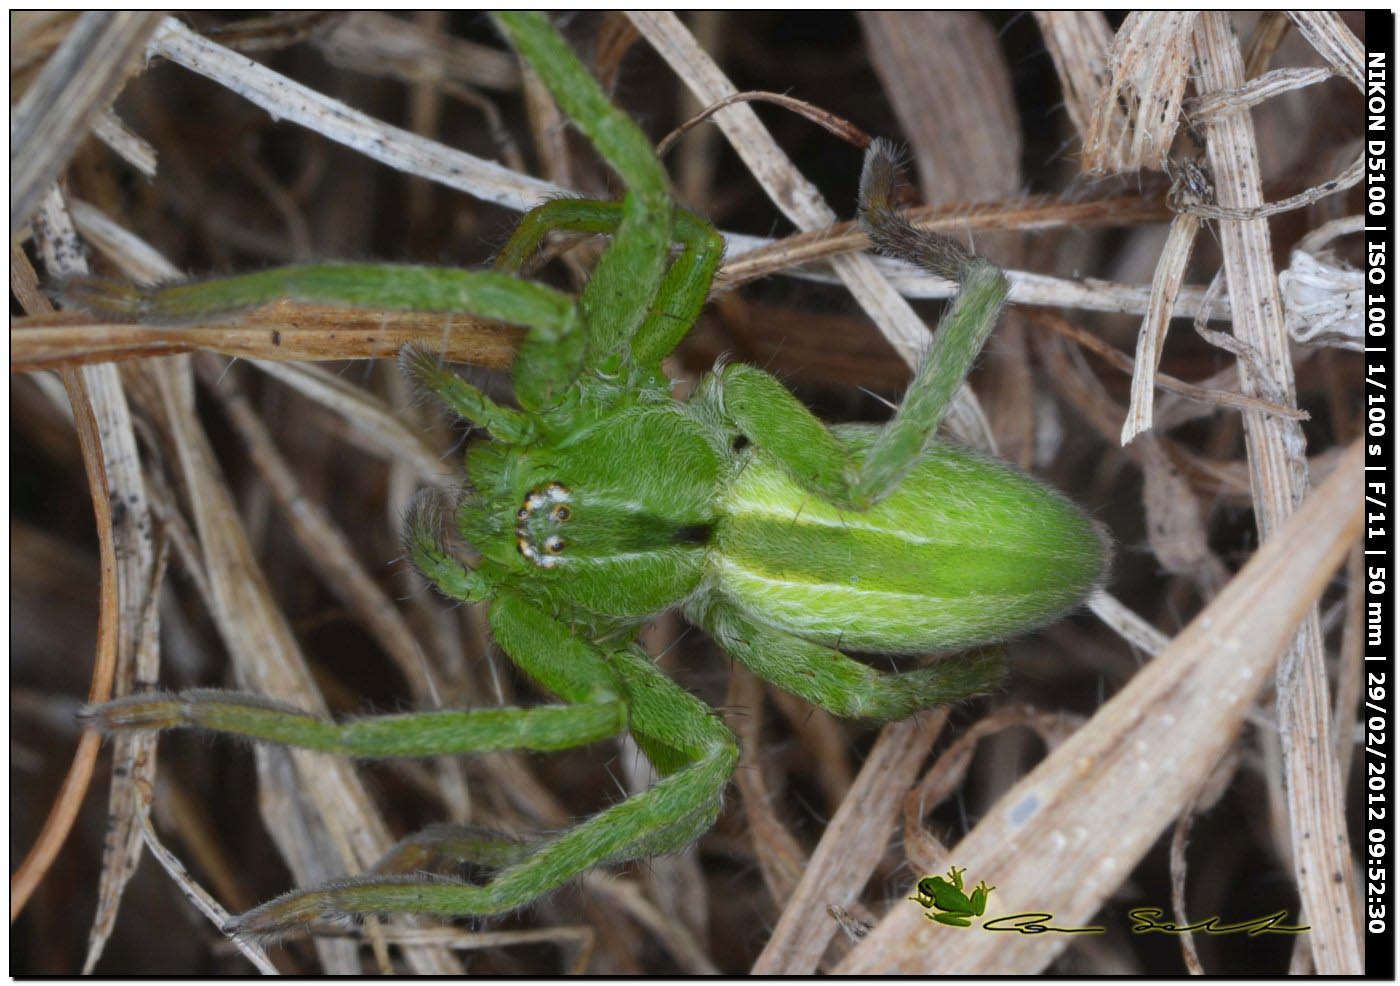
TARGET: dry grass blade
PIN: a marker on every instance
(1028, 288)
(1346, 708)
(576, 941)
(672, 934)
(850, 847)
(823, 738)
(1127, 624)
(381, 430)
(1079, 42)
(136, 152)
(1341, 183)
(1202, 109)
(1166, 285)
(1137, 112)
(1325, 31)
(1193, 698)
(324, 544)
(177, 810)
(1210, 793)
(24, 282)
(1191, 391)
(802, 203)
(370, 41)
(326, 822)
(34, 34)
(70, 796)
(387, 144)
(373, 425)
(1334, 41)
(279, 331)
(79, 81)
(1176, 521)
(132, 255)
(137, 633)
(133, 767)
(267, 658)
(926, 854)
(1318, 238)
(781, 859)
(271, 32)
(1031, 213)
(196, 894)
(1279, 480)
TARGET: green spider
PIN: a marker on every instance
(601, 502)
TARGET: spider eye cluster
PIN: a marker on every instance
(549, 503)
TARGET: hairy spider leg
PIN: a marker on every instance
(765, 412)
(683, 290)
(627, 277)
(610, 691)
(682, 295)
(444, 848)
(414, 734)
(693, 750)
(845, 687)
(561, 663)
(422, 532)
(551, 355)
(488, 294)
(421, 365)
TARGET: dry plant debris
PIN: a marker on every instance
(202, 505)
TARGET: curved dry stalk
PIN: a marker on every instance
(830, 122)
(74, 788)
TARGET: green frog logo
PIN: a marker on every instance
(947, 903)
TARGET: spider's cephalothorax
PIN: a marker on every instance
(600, 502)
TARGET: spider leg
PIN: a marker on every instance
(627, 278)
(768, 414)
(445, 848)
(426, 370)
(844, 687)
(693, 750)
(408, 287)
(415, 734)
(562, 663)
(624, 831)
(556, 215)
(961, 334)
(763, 410)
(423, 529)
(550, 357)
(683, 290)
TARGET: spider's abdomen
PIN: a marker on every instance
(966, 551)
